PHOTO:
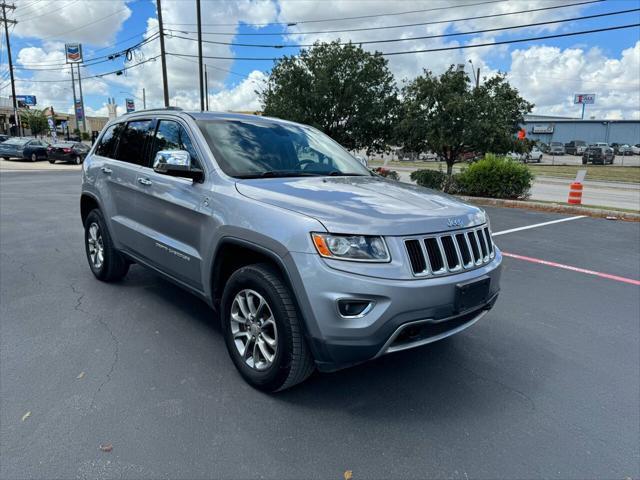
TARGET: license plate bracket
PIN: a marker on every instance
(472, 294)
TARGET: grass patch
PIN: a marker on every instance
(594, 172)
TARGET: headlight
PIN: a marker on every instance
(356, 248)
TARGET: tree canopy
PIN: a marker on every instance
(448, 116)
(343, 90)
(36, 119)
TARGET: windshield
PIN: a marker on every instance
(16, 141)
(252, 149)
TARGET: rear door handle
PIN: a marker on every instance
(106, 170)
(144, 181)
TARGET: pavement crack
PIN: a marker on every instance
(114, 340)
(509, 388)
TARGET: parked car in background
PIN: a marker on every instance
(601, 155)
(635, 149)
(575, 147)
(535, 155)
(72, 152)
(601, 144)
(556, 148)
(544, 147)
(624, 150)
(24, 147)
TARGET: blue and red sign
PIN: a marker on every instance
(79, 110)
(73, 52)
(130, 105)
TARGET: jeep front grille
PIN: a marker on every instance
(450, 252)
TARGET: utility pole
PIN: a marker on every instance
(13, 83)
(163, 59)
(206, 87)
(200, 55)
(144, 99)
(478, 78)
(75, 99)
(84, 116)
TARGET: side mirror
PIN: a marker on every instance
(176, 163)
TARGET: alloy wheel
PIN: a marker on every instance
(254, 330)
(96, 246)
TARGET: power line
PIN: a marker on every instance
(292, 23)
(433, 22)
(212, 66)
(28, 17)
(95, 60)
(102, 19)
(392, 40)
(99, 75)
(461, 47)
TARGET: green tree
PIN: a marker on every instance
(343, 90)
(36, 119)
(447, 115)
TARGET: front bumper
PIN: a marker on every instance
(426, 304)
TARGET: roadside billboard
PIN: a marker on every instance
(73, 52)
(584, 98)
(29, 100)
(130, 105)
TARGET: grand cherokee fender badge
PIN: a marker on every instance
(454, 222)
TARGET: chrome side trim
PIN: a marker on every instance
(387, 348)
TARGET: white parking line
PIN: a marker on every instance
(536, 225)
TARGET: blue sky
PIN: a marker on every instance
(570, 65)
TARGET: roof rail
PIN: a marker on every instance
(177, 109)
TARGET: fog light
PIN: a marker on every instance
(354, 308)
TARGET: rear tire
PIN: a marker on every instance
(34, 157)
(291, 361)
(52, 161)
(78, 160)
(106, 263)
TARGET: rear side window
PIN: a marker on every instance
(171, 135)
(133, 140)
(108, 142)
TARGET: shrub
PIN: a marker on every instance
(385, 172)
(495, 177)
(429, 178)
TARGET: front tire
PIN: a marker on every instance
(262, 329)
(34, 157)
(52, 161)
(78, 160)
(106, 263)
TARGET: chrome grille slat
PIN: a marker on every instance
(450, 252)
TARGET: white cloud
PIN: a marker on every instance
(550, 77)
(93, 22)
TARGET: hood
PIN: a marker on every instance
(365, 205)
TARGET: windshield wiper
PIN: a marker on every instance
(279, 174)
(336, 173)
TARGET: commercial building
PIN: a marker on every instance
(562, 129)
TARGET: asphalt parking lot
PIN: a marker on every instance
(547, 385)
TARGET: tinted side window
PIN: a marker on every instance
(171, 135)
(109, 140)
(133, 140)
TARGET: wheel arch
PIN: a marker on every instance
(233, 253)
(88, 202)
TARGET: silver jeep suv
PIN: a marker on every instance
(310, 260)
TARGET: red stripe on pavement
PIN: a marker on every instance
(574, 269)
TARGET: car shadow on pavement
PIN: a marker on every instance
(453, 377)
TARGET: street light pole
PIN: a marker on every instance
(16, 118)
(163, 59)
(201, 75)
(144, 99)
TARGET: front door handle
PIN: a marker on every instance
(106, 170)
(144, 181)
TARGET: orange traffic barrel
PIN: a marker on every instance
(575, 193)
